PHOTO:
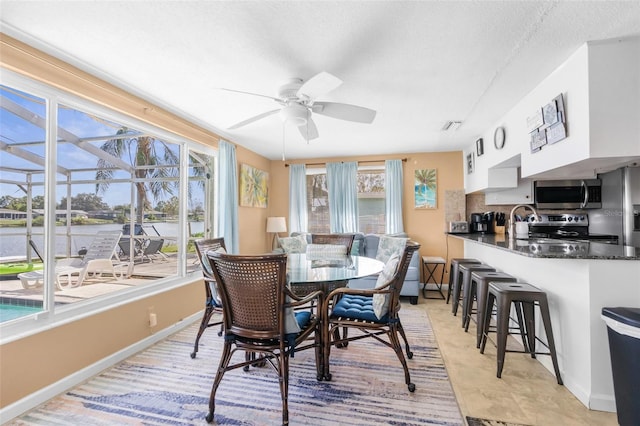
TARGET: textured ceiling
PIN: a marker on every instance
(417, 63)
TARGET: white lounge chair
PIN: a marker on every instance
(97, 261)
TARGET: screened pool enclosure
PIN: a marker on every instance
(70, 170)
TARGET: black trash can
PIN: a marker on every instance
(623, 325)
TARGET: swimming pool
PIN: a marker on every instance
(10, 312)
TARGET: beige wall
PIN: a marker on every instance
(252, 221)
(34, 362)
(37, 361)
(424, 226)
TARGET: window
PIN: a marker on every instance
(317, 201)
(371, 200)
(93, 170)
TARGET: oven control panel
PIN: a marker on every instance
(566, 219)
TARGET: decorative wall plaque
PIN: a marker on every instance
(547, 125)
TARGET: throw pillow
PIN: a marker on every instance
(290, 321)
(297, 244)
(205, 261)
(381, 301)
(355, 248)
(206, 265)
(388, 246)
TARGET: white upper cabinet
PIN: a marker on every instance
(600, 87)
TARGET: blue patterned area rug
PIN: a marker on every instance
(164, 386)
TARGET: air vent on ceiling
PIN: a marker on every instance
(451, 126)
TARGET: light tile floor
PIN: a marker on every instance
(527, 393)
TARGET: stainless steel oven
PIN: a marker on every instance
(567, 226)
(568, 194)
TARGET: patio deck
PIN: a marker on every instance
(143, 273)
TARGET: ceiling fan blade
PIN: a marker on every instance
(252, 94)
(252, 119)
(345, 111)
(309, 130)
(318, 85)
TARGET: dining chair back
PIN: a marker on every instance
(371, 312)
(336, 239)
(258, 306)
(212, 301)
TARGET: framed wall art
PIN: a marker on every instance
(548, 124)
(253, 187)
(425, 189)
(479, 147)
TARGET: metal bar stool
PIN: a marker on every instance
(465, 271)
(524, 298)
(454, 288)
(480, 287)
(429, 267)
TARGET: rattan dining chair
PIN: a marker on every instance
(336, 239)
(356, 309)
(213, 303)
(259, 318)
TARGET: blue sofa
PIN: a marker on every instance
(367, 245)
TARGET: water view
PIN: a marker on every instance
(13, 241)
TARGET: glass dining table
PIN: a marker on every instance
(307, 273)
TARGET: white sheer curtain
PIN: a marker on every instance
(343, 196)
(228, 196)
(393, 196)
(297, 198)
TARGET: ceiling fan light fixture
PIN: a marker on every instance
(295, 114)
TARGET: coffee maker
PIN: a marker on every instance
(483, 223)
(489, 218)
(476, 223)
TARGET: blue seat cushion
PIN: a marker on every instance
(356, 307)
(303, 318)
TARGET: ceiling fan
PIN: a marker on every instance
(297, 100)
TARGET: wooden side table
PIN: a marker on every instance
(430, 267)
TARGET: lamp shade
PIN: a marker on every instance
(276, 224)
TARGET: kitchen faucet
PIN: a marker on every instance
(512, 221)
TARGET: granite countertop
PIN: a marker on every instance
(554, 249)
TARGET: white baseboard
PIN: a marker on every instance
(43, 395)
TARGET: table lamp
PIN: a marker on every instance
(276, 225)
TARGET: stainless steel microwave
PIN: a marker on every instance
(568, 194)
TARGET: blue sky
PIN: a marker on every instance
(16, 129)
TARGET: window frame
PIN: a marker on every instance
(52, 315)
(323, 170)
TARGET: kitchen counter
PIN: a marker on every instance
(554, 249)
(580, 279)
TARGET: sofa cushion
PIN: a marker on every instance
(381, 301)
(355, 248)
(297, 244)
(389, 246)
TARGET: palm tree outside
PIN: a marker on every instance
(154, 162)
